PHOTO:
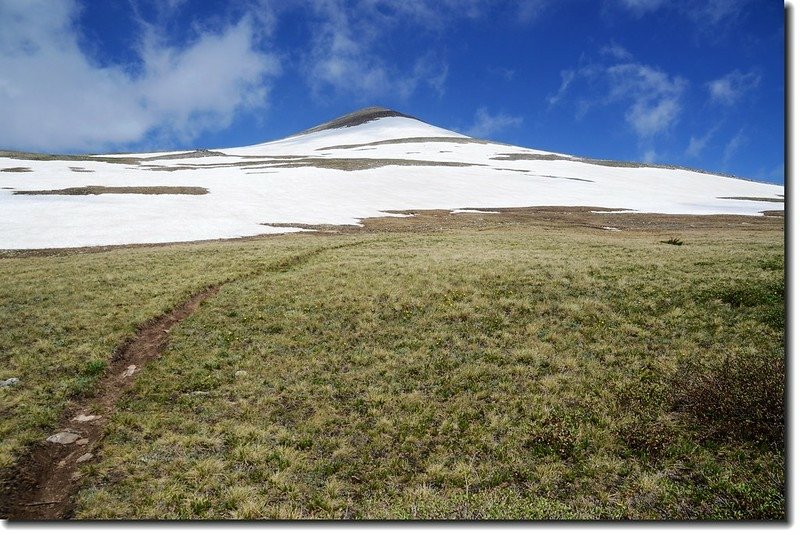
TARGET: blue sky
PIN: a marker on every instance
(691, 82)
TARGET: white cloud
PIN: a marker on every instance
(733, 146)
(707, 15)
(716, 12)
(654, 97)
(698, 144)
(343, 58)
(486, 124)
(641, 6)
(650, 156)
(729, 89)
(54, 97)
(567, 76)
(530, 10)
(617, 52)
(651, 117)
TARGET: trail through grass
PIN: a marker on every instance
(511, 372)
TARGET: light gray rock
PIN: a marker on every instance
(86, 418)
(129, 371)
(82, 442)
(240, 373)
(63, 437)
(11, 381)
(85, 457)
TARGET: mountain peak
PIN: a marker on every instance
(364, 115)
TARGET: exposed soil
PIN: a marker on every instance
(356, 118)
(47, 479)
(128, 190)
(553, 217)
(550, 217)
(462, 140)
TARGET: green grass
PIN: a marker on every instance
(63, 316)
(514, 372)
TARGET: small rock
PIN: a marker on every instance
(86, 418)
(200, 393)
(129, 371)
(64, 437)
(75, 476)
(240, 373)
(11, 381)
(85, 457)
(82, 442)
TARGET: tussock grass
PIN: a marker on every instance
(490, 371)
(63, 316)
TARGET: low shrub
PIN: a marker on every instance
(741, 396)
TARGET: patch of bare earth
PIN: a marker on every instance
(551, 217)
(128, 190)
(45, 481)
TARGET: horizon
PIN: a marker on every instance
(693, 84)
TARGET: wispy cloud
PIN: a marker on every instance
(652, 99)
(705, 14)
(732, 147)
(649, 156)
(567, 76)
(641, 6)
(487, 124)
(343, 60)
(698, 144)
(530, 10)
(654, 96)
(729, 89)
(617, 52)
(717, 12)
(54, 97)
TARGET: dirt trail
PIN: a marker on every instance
(47, 480)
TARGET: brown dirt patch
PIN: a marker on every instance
(356, 118)
(128, 190)
(45, 481)
(550, 217)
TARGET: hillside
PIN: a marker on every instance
(338, 173)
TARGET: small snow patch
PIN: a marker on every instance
(613, 229)
(471, 211)
(81, 418)
(395, 214)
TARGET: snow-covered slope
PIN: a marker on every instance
(338, 173)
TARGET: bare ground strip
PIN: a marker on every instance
(46, 481)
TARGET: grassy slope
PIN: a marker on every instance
(513, 372)
(63, 316)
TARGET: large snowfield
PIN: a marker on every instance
(334, 176)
